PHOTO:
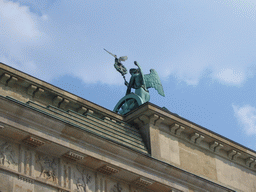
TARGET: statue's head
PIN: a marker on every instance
(133, 71)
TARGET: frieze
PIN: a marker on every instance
(82, 179)
(7, 154)
(27, 163)
(116, 188)
(48, 167)
(66, 175)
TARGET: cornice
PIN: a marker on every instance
(40, 91)
(193, 134)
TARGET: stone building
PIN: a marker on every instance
(52, 140)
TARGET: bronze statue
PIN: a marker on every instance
(138, 81)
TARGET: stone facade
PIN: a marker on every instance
(52, 140)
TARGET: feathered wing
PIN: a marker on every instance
(124, 58)
(152, 80)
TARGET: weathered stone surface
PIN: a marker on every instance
(200, 162)
(169, 148)
(234, 175)
(7, 180)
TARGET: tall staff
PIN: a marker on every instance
(118, 65)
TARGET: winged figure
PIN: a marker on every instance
(152, 80)
(141, 83)
(138, 81)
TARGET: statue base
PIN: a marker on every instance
(128, 103)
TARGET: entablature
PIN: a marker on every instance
(24, 125)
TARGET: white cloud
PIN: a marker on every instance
(45, 17)
(246, 116)
(17, 22)
(20, 33)
(230, 76)
(223, 50)
(242, 8)
(27, 66)
(193, 41)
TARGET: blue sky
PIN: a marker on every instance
(203, 51)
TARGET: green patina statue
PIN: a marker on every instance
(138, 81)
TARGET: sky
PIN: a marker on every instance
(203, 51)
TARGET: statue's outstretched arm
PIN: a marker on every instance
(137, 64)
(140, 71)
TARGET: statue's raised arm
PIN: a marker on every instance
(142, 75)
(137, 80)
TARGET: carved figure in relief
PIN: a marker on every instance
(116, 188)
(83, 180)
(48, 167)
(6, 154)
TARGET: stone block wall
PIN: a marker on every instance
(200, 160)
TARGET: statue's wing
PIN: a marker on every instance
(124, 58)
(152, 80)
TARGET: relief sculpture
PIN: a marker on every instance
(82, 180)
(6, 154)
(48, 167)
(117, 188)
